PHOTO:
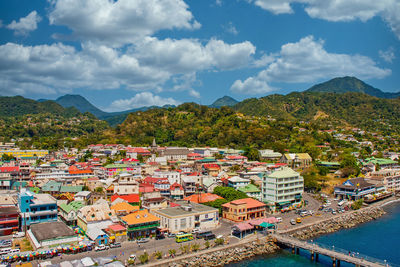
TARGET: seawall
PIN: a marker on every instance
(331, 225)
(219, 256)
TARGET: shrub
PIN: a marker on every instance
(157, 255)
(219, 241)
(172, 252)
(144, 257)
(195, 247)
(207, 244)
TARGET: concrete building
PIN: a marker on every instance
(51, 234)
(241, 210)
(187, 216)
(237, 182)
(140, 224)
(8, 220)
(36, 208)
(282, 188)
(354, 189)
(390, 178)
(297, 160)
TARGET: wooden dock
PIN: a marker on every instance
(335, 254)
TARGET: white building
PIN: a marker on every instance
(172, 176)
(282, 188)
(188, 216)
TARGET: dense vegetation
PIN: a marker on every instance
(352, 108)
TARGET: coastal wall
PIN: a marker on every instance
(340, 222)
(220, 256)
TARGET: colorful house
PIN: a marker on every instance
(243, 209)
(202, 198)
(69, 212)
(116, 233)
(140, 224)
(123, 208)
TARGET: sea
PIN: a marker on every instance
(379, 239)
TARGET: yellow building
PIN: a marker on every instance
(25, 153)
(117, 233)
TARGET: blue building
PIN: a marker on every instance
(36, 208)
(354, 189)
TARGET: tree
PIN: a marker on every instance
(219, 241)
(157, 255)
(172, 252)
(99, 189)
(195, 247)
(357, 204)
(216, 204)
(140, 158)
(7, 157)
(252, 154)
(207, 244)
(229, 193)
(144, 257)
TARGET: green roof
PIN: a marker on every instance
(250, 188)
(73, 205)
(333, 163)
(16, 185)
(266, 225)
(71, 188)
(51, 186)
(35, 190)
(283, 173)
(116, 165)
(379, 161)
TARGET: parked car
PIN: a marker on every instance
(142, 240)
(171, 235)
(292, 222)
(115, 245)
(209, 236)
(101, 247)
(298, 220)
(279, 219)
(219, 236)
(132, 257)
(18, 234)
(195, 230)
(333, 212)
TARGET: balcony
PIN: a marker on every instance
(143, 227)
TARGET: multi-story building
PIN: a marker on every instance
(16, 153)
(8, 220)
(36, 208)
(297, 160)
(243, 209)
(354, 189)
(187, 216)
(251, 190)
(140, 224)
(172, 176)
(237, 182)
(69, 212)
(282, 188)
(390, 178)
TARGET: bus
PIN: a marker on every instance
(183, 238)
(201, 234)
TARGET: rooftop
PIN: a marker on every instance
(250, 188)
(283, 173)
(51, 230)
(139, 217)
(180, 211)
(202, 198)
(249, 202)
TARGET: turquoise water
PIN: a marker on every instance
(379, 239)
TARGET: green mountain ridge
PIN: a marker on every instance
(350, 84)
(224, 101)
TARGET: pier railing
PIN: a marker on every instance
(332, 251)
(353, 254)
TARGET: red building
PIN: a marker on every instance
(8, 220)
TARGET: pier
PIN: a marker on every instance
(336, 254)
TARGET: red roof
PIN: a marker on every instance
(146, 188)
(172, 204)
(250, 203)
(116, 227)
(193, 155)
(211, 166)
(139, 150)
(9, 169)
(130, 160)
(202, 198)
(132, 198)
(174, 185)
(153, 180)
(74, 170)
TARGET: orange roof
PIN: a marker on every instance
(202, 198)
(250, 203)
(74, 170)
(139, 217)
(123, 206)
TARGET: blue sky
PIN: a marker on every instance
(124, 54)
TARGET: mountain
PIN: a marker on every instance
(19, 106)
(224, 101)
(81, 104)
(350, 84)
(357, 109)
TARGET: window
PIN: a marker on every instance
(176, 224)
(183, 223)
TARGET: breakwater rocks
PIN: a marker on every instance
(222, 257)
(341, 222)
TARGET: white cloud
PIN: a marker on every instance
(122, 21)
(230, 28)
(387, 55)
(144, 99)
(308, 61)
(146, 66)
(340, 10)
(218, 2)
(25, 24)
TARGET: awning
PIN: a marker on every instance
(284, 203)
(267, 225)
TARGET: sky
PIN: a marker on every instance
(124, 54)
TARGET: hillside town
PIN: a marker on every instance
(107, 196)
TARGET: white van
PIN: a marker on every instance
(341, 203)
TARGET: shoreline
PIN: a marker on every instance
(254, 246)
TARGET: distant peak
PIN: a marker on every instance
(224, 101)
